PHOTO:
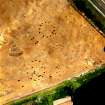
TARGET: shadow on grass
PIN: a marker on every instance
(91, 93)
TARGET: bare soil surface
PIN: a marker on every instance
(43, 42)
(66, 103)
(63, 101)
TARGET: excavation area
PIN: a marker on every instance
(42, 43)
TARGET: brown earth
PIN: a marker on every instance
(43, 42)
(66, 103)
(63, 101)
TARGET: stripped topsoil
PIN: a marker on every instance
(44, 42)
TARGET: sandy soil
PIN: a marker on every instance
(63, 101)
(66, 103)
(43, 42)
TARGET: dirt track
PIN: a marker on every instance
(43, 42)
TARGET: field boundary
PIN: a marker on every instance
(91, 14)
(64, 89)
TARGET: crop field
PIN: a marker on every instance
(44, 44)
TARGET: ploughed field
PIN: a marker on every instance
(42, 43)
